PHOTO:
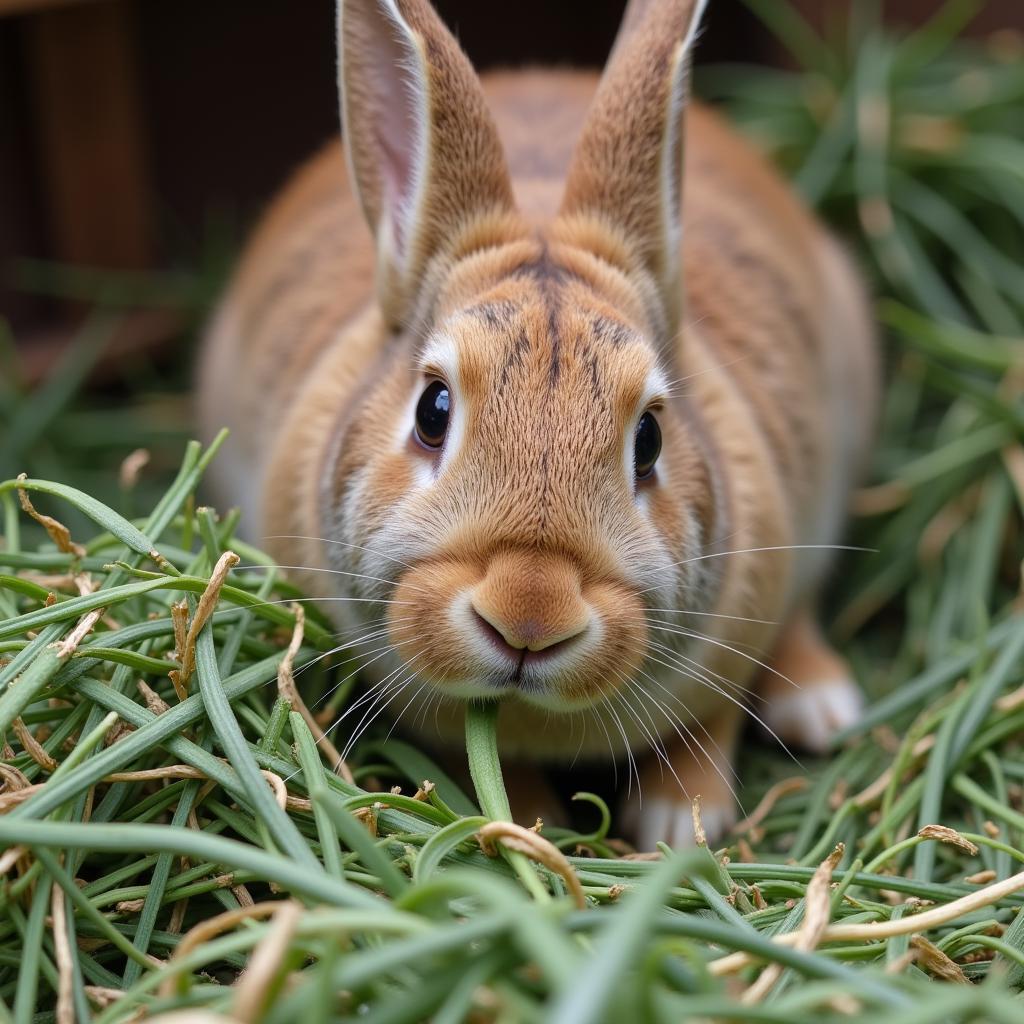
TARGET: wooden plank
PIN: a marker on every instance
(25, 6)
(90, 125)
(140, 334)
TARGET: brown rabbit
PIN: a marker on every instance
(582, 448)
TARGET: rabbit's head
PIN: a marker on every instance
(521, 480)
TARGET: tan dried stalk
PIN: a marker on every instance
(876, 789)
(204, 609)
(817, 909)
(10, 857)
(931, 957)
(179, 619)
(253, 987)
(284, 799)
(153, 700)
(32, 746)
(57, 531)
(536, 847)
(287, 689)
(767, 804)
(944, 834)
(131, 466)
(875, 931)
(65, 959)
(13, 778)
(210, 929)
(981, 877)
(699, 836)
(101, 997)
(19, 796)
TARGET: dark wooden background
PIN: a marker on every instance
(127, 126)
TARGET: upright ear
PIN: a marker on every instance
(626, 172)
(422, 148)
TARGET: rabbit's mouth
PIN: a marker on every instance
(533, 673)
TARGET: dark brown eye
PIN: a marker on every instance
(646, 445)
(432, 412)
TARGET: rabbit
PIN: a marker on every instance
(553, 392)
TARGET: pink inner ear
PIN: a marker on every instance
(398, 91)
(396, 181)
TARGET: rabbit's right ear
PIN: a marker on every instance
(422, 147)
(626, 173)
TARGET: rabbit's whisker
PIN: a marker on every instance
(678, 724)
(375, 635)
(668, 628)
(631, 761)
(740, 704)
(332, 572)
(662, 757)
(702, 674)
(380, 652)
(651, 734)
(380, 622)
(596, 712)
(398, 717)
(341, 543)
(581, 715)
(372, 715)
(712, 615)
(750, 551)
(317, 600)
(370, 697)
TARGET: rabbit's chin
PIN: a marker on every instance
(443, 639)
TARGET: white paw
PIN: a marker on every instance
(671, 821)
(811, 716)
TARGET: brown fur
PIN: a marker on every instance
(557, 314)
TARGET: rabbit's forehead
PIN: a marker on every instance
(539, 353)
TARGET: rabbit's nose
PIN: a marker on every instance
(527, 636)
(529, 602)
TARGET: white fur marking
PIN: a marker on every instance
(814, 714)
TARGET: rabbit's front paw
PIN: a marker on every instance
(669, 820)
(809, 695)
(662, 811)
(810, 717)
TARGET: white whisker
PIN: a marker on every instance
(341, 543)
(741, 705)
(631, 762)
(701, 673)
(750, 551)
(669, 628)
(712, 615)
(678, 724)
(653, 737)
(332, 572)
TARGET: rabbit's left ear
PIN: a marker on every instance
(626, 172)
(422, 147)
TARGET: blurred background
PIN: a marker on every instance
(137, 134)
(139, 140)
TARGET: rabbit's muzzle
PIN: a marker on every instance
(524, 621)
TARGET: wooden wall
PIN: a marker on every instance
(125, 123)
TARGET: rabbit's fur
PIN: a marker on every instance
(526, 248)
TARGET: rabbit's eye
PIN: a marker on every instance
(432, 413)
(646, 445)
